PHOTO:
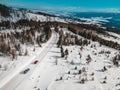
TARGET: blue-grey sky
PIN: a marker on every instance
(86, 4)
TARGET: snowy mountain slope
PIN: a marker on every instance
(79, 63)
(95, 78)
(16, 14)
(114, 37)
(58, 73)
(74, 73)
(16, 66)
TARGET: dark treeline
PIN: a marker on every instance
(69, 39)
(4, 10)
(23, 32)
(116, 59)
(21, 23)
(99, 29)
(83, 30)
(87, 32)
(90, 35)
(45, 14)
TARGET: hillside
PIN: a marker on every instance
(16, 14)
(4, 10)
(39, 51)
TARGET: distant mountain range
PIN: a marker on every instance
(109, 19)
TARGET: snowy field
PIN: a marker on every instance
(95, 78)
(86, 67)
(113, 37)
(29, 16)
(11, 68)
(73, 73)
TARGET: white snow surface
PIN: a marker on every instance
(51, 67)
(115, 37)
(95, 20)
(17, 15)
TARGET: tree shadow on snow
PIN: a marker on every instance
(54, 51)
(56, 56)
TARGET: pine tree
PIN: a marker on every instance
(14, 54)
(62, 52)
(66, 52)
(26, 52)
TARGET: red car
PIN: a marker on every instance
(36, 61)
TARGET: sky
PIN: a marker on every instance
(65, 4)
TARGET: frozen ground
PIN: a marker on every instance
(113, 37)
(95, 77)
(12, 68)
(56, 73)
(29, 16)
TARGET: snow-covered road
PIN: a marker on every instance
(20, 78)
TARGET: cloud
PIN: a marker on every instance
(115, 10)
(80, 9)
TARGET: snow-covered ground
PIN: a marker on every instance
(73, 73)
(12, 68)
(18, 15)
(95, 78)
(52, 72)
(113, 37)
